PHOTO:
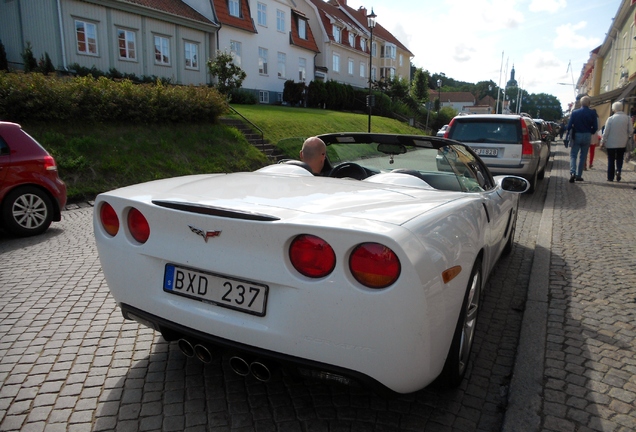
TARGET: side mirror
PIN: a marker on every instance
(513, 183)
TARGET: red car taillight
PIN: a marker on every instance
(526, 146)
(374, 265)
(311, 256)
(138, 225)
(450, 125)
(49, 163)
(109, 219)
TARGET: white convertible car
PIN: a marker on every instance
(371, 272)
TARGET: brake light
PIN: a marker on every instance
(138, 225)
(109, 219)
(374, 265)
(311, 256)
(526, 146)
(49, 163)
(450, 125)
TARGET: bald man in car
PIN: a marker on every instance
(313, 154)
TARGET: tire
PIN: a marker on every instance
(533, 182)
(27, 211)
(464, 336)
(511, 239)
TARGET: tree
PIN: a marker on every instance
(229, 76)
(30, 63)
(419, 87)
(4, 63)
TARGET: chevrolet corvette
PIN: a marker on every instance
(371, 272)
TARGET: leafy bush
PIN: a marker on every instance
(35, 97)
(243, 97)
(4, 63)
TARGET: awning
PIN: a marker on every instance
(613, 95)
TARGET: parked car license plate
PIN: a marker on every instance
(241, 295)
(486, 152)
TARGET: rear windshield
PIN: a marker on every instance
(486, 131)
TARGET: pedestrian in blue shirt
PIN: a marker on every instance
(583, 123)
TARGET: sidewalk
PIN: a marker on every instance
(576, 362)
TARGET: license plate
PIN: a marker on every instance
(237, 294)
(486, 152)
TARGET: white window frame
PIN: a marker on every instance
(234, 7)
(337, 33)
(263, 96)
(363, 70)
(302, 69)
(89, 42)
(262, 61)
(374, 49)
(280, 20)
(302, 28)
(236, 50)
(262, 14)
(335, 63)
(129, 40)
(373, 73)
(191, 54)
(401, 60)
(350, 66)
(363, 44)
(352, 40)
(282, 65)
(162, 49)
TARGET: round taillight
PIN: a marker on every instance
(311, 256)
(109, 219)
(374, 265)
(138, 225)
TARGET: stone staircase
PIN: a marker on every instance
(272, 153)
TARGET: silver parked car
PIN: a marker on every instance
(508, 144)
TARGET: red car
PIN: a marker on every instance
(32, 195)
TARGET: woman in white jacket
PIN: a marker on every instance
(618, 129)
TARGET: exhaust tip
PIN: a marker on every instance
(202, 353)
(260, 371)
(186, 347)
(239, 366)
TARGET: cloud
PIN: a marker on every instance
(551, 6)
(567, 36)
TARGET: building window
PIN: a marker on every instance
(191, 55)
(336, 63)
(262, 61)
(126, 42)
(282, 61)
(280, 20)
(374, 49)
(235, 51)
(350, 67)
(352, 40)
(263, 96)
(363, 44)
(262, 14)
(363, 70)
(302, 28)
(86, 34)
(401, 60)
(234, 7)
(336, 33)
(162, 50)
(373, 78)
(302, 69)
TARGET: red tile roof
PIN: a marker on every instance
(244, 22)
(173, 7)
(327, 12)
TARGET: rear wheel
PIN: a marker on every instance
(533, 181)
(27, 211)
(459, 353)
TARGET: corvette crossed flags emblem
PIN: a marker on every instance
(205, 234)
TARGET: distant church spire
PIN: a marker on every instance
(512, 82)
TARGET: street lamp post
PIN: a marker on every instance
(439, 95)
(370, 102)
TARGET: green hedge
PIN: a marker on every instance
(35, 97)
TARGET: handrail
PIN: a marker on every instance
(252, 124)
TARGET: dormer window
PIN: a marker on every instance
(234, 7)
(336, 34)
(363, 44)
(352, 40)
(302, 28)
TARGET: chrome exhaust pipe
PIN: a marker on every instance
(186, 347)
(202, 353)
(260, 371)
(239, 365)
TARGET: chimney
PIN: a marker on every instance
(363, 10)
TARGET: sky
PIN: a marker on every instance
(547, 41)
